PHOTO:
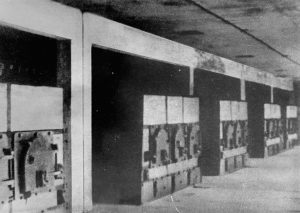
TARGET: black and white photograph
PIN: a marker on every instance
(149, 106)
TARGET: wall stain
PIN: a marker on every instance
(189, 32)
(285, 7)
(211, 62)
(175, 3)
(253, 11)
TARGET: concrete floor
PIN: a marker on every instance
(266, 185)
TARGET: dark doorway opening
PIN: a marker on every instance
(27, 58)
(256, 95)
(211, 88)
(36, 60)
(119, 82)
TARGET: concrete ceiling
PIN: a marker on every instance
(262, 34)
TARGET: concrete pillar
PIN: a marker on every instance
(297, 101)
(192, 80)
(272, 94)
(243, 90)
